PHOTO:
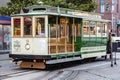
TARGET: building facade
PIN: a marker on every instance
(5, 33)
(110, 9)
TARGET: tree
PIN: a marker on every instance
(84, 5)
(14, 6)
(4, 11)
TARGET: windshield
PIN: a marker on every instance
(29, 26)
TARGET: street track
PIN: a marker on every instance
(64, 71)
(51, 74)
(71, 75)
(59, 75)
(8, 75)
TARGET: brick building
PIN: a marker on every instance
(110, 9)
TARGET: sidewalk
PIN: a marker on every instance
(4, 56)
(103, 72)
(4, 51)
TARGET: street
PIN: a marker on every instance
(46, 34)
(99, 69)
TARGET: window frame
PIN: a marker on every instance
(86, 25)
(99, 32)
(92, 24)
(104, 29)
(35, 24)
(13, 35)
(102, 6)
(31, 35)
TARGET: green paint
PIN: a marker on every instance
(78, 43)
(93, 41)
(63, 55)
(85, 41)
(72, 54)
(93, 52)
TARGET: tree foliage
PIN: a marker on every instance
(14, 6)
(84, 5)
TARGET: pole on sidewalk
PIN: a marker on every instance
(111, 54)
(117, 42)
(115, 59)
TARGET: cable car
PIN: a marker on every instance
(51, 35)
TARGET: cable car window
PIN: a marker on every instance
(86, 27)
(104, 29)
(62, 26)
(40, 26)
(16, 26)
(27, 25)
(39, 9)
(53, 31)
(78, 29)
(92, 28)
(99, 29)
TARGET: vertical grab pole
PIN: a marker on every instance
(73, 34)
(49, 37)
(111, 55)
(56, 34)
(65, 35)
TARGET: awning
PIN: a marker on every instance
(5, 20)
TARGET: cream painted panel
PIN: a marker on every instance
(22, 46)
(40, 46)
(29, 46)
(16, 46)
(96, 48)
(93, 55)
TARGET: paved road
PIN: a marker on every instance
(96, 70)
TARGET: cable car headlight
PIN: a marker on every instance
(27, 46)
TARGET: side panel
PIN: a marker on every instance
(96, 51)
(40, 46)
(97, 54)
(29, 46)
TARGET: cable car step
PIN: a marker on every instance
(35, 65)
(63, 60)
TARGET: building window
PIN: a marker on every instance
(117, 6)
(102, 6)
(107, 7)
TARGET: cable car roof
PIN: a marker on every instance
(36, 10)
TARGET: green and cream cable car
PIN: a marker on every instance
(50, 35)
